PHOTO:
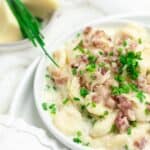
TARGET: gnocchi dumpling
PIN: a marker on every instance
(8, 25)
(103, 127)
(68, 120)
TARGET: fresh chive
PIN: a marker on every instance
(84, 92)
(140, 41)
(76, 99)
(129, 131)
(74, 71)
(65, 101)
(45, 106)
(125, 43)
(52, 109)
(29, 25)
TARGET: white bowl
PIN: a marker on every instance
(39, 81)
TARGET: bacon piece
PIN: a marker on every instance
(125, 106)
(87, 30)
(121, 122)
(141, 143)
(59, 77)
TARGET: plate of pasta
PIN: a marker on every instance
(99, 96)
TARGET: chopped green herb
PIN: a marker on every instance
(147, 111)
(133, 123)
(104, 114)
(65, 101)
(93, 104)
(113, 129)
(80, 47)
(111, 54)
(54, 88)
(91, 67)
(120, 50)
(126, 147)
(101, 53)
(47, 76)
(92, 59)
(45, 106)
(48, 86)
(77, 140)
(124, 43)
(74, 71)
(119, 78)
(130, 62)
(52, 108)
(81, 72)
(129, 131)
(125, 88)
(76, 99)
(140, 41)
(79, 133)
(140, 95)
(84, 92)
(78, 35)
(102, 64)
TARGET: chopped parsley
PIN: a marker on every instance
(76, 99)
(124, 43)
(80, 47)
(74, 71)
(52, 109)
(147, 111)
(104, 115)
(45, 106)
(92, 59)
(101, 53)
(126, 147)
(93, 104)
(84, 92)
(129, 131)
(113, 129)
(91, 67)
(77, 140)
(140, 41)
(133, 123)
(65, 101)
(130, 63)
(140, 95)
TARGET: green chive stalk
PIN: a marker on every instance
(29, 25)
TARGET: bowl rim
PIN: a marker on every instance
(50, 126)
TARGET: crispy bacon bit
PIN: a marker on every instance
(121, 122)
(110, 103)
(141, 143)
(59, 78)
(125, 106)
(87, 30)
(133, 46)
(104, 71)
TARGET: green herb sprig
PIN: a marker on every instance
(29, 25)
